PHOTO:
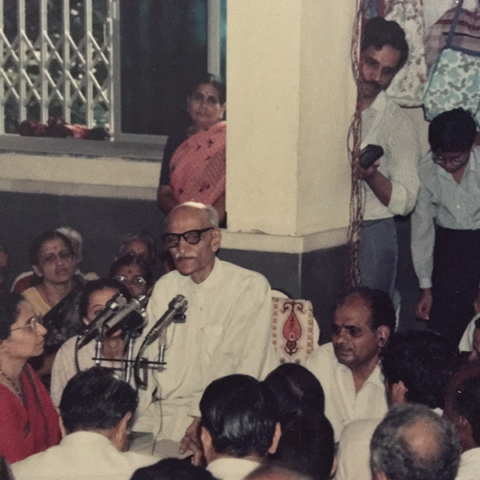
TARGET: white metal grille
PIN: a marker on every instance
(56, 59)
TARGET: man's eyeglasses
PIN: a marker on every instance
(199, 98)
(136, 281)
(30, 325)
(455, 160)
(192, 237)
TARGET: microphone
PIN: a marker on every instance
(95, 328)
(123, 316)
(176, 307)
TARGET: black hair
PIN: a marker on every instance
(467, 404)
(95, 399)
(477, 323)
(130, 259)
(240, 415)
(295, 389)
(452, 131)
(99, 284)
(306, 445)
(172, 469)
(382, 311)
(424, 361)
(378, 32)
(215, 82)
(36, 245)
(9, 302)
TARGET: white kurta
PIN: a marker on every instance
(228, 468)
(81, 456)
(342, 404)
(227, 330)
(469, 465)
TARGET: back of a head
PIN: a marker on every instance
(424, 361)
(306, 445)
(240, 414)
(453, 131)
(414, 443)
(382, 311)
(275, 471)
(378, 32)
(295, 389)
(95, 399)
(172, 469)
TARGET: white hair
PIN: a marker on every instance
(211, 212)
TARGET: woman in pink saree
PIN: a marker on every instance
(193, 167)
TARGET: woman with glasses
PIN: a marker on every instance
(134, 273)
(70, 359)
(193, 166)
(29, 421)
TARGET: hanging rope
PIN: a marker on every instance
(354, 276)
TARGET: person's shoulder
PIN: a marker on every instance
(360, 430)
(321, 357)
(241, 273)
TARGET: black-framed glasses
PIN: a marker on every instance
(192, 237)
(455, 160)
(136, 281)
(30, 325)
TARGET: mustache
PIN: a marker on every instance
(373, 83)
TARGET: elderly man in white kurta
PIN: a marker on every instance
(227, 327)
(348, 368)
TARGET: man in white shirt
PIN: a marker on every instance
(417, 366)
(239, 426)
(96, 410)
(227, 327)
(391, 183)
(348, 368)
(446, 225)
(412, 442)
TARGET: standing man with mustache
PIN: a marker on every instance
(348, 368)
(391, 183)
(226, 331)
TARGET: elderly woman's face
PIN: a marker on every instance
(204, 106)
(26, 339)
(56, 264)
(132, 277)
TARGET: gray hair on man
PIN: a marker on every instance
(414, 443)
(211, 212)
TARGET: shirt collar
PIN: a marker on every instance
(380, 103)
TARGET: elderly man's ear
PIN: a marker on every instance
(216, 240)
(383, 332)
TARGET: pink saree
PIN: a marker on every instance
(197, 168)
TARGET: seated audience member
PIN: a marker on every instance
(193, 165)
(462, 408)
(134, 273)
(29, 279)
(96, 410)
(412, 442)
(306, 445)
(416, 366)
(470, 341)
(227, 327)
(29, 421)
(139, 245)
(271, 471)
(55, 298)
(172, 469)
(348, 368)
(446, 225)
(239, 426)
(5, 470)
(296, 389)
(69, 360)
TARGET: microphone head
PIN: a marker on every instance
(179, 303)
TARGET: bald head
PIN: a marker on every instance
(193, 238)
(414, 443)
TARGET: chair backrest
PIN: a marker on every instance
(295, 332)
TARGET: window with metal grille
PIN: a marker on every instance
(122, 65)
